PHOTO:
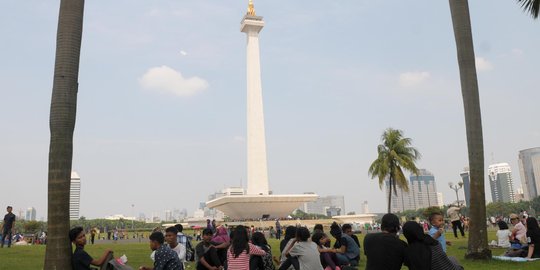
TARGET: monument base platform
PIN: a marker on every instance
(260, 206)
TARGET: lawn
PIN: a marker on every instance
(31, 257)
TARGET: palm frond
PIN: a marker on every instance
(531, 6)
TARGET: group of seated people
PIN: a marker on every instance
(522, 239)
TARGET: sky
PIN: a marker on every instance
(161, 116)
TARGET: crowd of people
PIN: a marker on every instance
(522, 239)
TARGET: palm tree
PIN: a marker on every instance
(62, 124)
(531, 6)
(477, 246)
(395, 153)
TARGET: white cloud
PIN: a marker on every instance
(167, 80)
(517, 52)
(483, 64)
(410, 79)
(184, 53)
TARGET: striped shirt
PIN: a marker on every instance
(440, 261)
(242, 261)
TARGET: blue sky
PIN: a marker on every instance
(161, 112)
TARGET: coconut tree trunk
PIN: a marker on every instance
(62, 124)
(478, 245)
(389, 193)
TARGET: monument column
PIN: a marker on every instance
(257, 172)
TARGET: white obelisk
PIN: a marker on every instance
(257, 172)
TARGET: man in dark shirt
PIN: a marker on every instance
(165, 258)
(385, 250)
(80, 259)
(8, 226)
(207, 254)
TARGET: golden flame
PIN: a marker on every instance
(251, 9)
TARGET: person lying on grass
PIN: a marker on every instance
(80, 259)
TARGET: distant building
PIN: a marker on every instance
(364, 208)
(500, 181)
(75, 196)
(529, 170)
(334, 203)
(519, 195)
(31, 214)
(466, 179)
(422, 193)
(168, 215)
(440, 199)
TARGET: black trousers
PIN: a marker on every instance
(455, 225)
(7, 234)
(290, 261)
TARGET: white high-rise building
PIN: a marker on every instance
(500, 181)
(529, 170)
(440, 199)
(422, 193)
(364, 209)
(31, 214)
(324, 205)
(75, 196)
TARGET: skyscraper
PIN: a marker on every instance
(422, 193)
(466, 179)
(500, 181)
(529, 170)
(75, 196)
(30, 214)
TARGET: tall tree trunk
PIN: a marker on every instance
(62, 124)
(478, 245)
(389, 193)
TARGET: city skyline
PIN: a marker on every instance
(162, 101)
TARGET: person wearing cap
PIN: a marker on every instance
(519, 231)
(385, 250)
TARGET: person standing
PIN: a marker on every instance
(8, 226)
(92, 235)
(278, 229)
(453, 214)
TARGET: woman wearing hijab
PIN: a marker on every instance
(424, 252)
(222, 236)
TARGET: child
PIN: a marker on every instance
(437, 229)
(80, 259)
(503, 235)
(241, 250)
(165, 257)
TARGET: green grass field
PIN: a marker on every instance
(31, 257)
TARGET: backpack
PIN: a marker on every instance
(190, 252)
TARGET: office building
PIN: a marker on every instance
(75, 196)
(422, 193)
(335, 205)
(529, 170)
(31, 214)
(466, 179)
(364, 208)
(500, 182)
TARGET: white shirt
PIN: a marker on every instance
(181, 251)
(502, 238)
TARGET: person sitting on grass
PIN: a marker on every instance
(503, 235)
(385, 250)
(241, 250)
(328, 256)
(80, 259)
(349, 251)
(206, 252)
(437, 229)
(165, 258)
(424, 252)
(533, 238)
(306, 251)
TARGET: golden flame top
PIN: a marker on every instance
(251, 9)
